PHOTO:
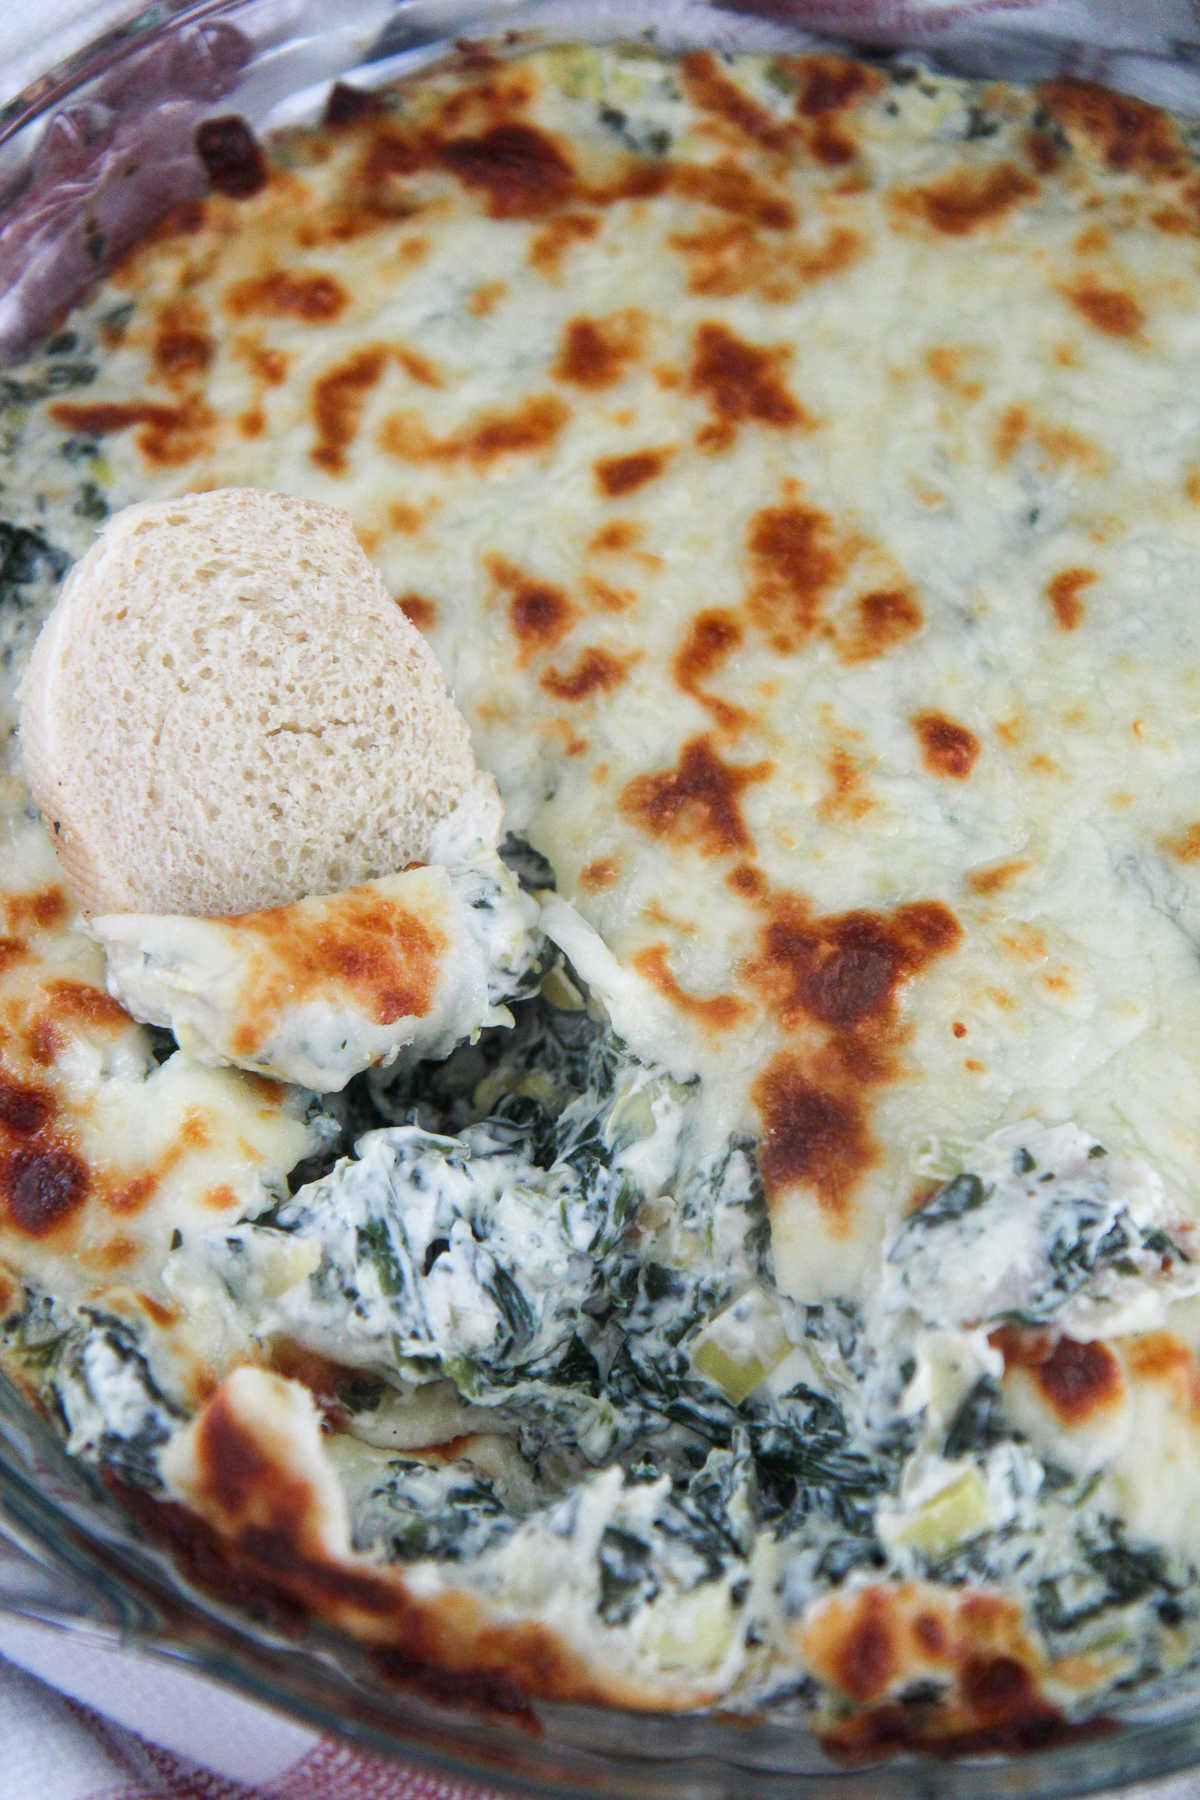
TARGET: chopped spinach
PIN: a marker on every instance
(27, 557)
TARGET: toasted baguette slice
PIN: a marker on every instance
(226, 711)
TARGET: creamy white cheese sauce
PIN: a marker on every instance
(688, 1416)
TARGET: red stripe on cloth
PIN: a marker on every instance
(333, 1771)
(329, 1771)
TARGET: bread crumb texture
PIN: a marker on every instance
(226, 710)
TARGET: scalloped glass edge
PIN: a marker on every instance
(79, 1564)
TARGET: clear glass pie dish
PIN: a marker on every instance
(98, 152)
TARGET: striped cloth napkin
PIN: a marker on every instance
(86, 1719)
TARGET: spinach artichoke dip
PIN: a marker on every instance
(788, 1290)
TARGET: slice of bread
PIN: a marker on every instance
(226, 710)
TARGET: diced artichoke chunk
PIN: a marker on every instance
(740, 1346)
(955, 1513)
(691, 1631)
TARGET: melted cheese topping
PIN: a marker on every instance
(106, 1153)
(807, 521)
(320, 990)
(793, 464)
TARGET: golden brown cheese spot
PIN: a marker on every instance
(530, 427)
(987, 1693)
(992, 880)
(847, 796)
(523, 430)
(1057, 444)
(486, 298)
(503, 92)
(183, 347)
(729, 188)
(887, 617)
(1043, 150)
(1109, 310)
(697, 803)
(619, 537)
(1093, 240)
(839, 249)
(841, 974)
(945, 363)
(540, 615)
(339, 400)
(1186, 846)
(417, 367)
(947, 749)
(12, 950)
(735, 258)
(82, 1003)
(379, 186)
(795, 562)
(409, 519)
(288, 294)
(1172, 221)
(714, 94)
(42, 1178)
(246, 1487)
(268, 364)
(1063, 594)
(617, 475)
(740, 382)
(717, 1012)
(1077, 1380)
(997, 1686)
(748, 881)
(521, 171)
(1012, 429)
(844, 970)
(595, 671)
(712, 637)
(967, 200)
(1130, 134)
(722, 260)
(607, 598)
(132, 1196)
(420, 611)
(601, 873)
(39, 911)
(169, 436)
(550, 244)
(595, 353)
(831, 84)
(42, 1187)
(23, 1110)
(1162, 1357)
(369, 947)
(44, 1042)
(810, 1136)
(867, 1656)
(830, 87)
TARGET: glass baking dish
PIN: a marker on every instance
(106, 136)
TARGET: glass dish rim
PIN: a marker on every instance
(146, 1604)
